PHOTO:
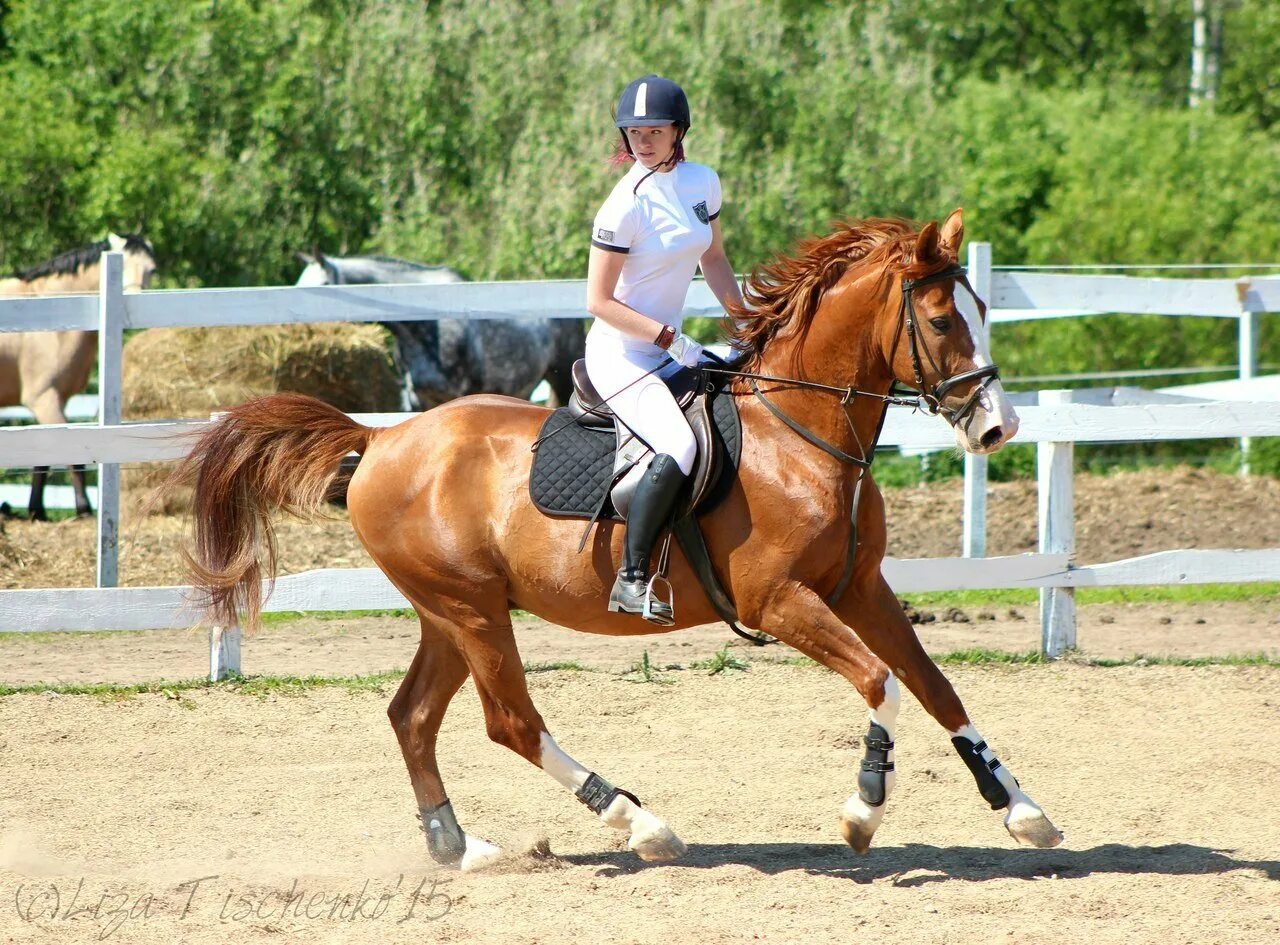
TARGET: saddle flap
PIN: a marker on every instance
(698, 413)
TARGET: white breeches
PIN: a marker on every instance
(644, 404)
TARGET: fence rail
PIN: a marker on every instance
(1055, 424)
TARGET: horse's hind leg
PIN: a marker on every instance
(434, 677)
(800, 618)
(484, 635)
(878, 618)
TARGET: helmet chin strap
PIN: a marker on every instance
(669, 159)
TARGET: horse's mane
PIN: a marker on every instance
(397, 261)
(74, 260)
(782, 296)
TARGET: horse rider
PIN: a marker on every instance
(660, 223)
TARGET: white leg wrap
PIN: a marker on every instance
(1024, 819)
(858, 819)
(648, 835)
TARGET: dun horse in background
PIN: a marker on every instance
(41, 370)
(442, 504)
(448, 358)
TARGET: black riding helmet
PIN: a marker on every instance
(651, 101)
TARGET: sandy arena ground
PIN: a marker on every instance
(215, 816)
(224, 817)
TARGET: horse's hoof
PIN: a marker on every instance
(859, 822)
(1028, 825)
(653, 841)
(478, 855)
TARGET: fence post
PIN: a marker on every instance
(974, 541)
(224, 652)
(110, 357)
(1248, 354)
(1055, 487)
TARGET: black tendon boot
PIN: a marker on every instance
(651, 506)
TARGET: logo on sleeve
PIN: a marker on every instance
(700, 211)
(606, 235)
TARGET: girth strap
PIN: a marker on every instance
(689, 534)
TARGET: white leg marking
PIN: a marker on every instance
(858, 819)
(1025, 821)
(648, 835)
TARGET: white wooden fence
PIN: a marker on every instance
(1055, 425)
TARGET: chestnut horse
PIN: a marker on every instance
(441, 503)
(42, 369)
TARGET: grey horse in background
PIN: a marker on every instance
(448, 358)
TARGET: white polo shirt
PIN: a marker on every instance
(664, 227)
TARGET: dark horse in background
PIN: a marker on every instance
(42, 369)
(449, 358)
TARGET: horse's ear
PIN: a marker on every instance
(304, 258)
(953, 233)
(115, 243)
(927, 243)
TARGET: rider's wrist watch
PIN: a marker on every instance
(665, 337)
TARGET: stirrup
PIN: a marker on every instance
(665, 618)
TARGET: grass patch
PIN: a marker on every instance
(981, 656)
(567, 665)
(285, 616)
(246, 685)
(1243, 659)
(646, 671)
(984, 657)
(1265, 592)
(722, 662)
(643, 671)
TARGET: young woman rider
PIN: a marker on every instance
(658, 226)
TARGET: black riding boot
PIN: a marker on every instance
(651, 506)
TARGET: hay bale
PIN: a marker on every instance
(192, 372)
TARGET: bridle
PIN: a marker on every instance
(928, 397)
(909, 323)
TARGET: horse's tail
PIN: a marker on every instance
(276, 453)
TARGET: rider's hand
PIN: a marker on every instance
(685, 350)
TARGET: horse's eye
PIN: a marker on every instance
(940, 323)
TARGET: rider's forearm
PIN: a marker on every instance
(721, 280)
(625, 319)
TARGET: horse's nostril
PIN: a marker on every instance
(992, 437)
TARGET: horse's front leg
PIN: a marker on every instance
(872, 608)
(800, 618)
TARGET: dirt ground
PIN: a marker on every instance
(222, 816)
(213, 816)
(1117, 516)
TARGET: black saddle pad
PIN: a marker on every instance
(573, 465)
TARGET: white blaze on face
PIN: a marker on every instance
(313, 275)
(993, 409)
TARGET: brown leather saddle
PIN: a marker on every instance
(583, 458)
(693, 395)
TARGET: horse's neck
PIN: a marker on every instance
(83, 281)
(840, 350)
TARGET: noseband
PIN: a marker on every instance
(932, 396)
